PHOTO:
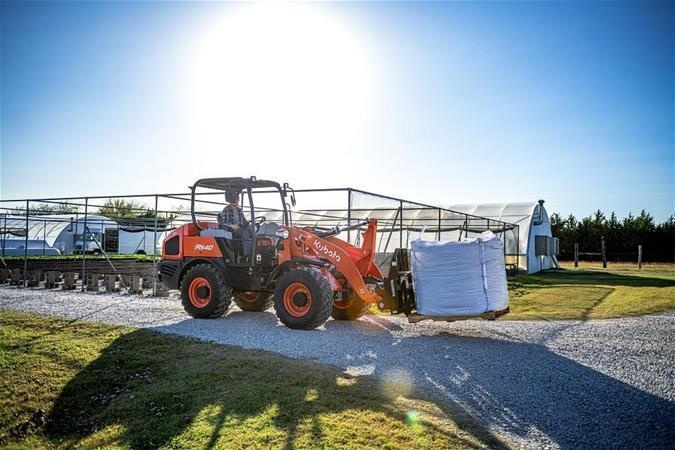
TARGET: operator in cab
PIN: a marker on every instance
(232, 219)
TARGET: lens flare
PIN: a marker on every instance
(398, 383)
(412, 419)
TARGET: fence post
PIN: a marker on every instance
(576, 254)
(84, 239)
(25, 250)
(154, 254)
(604, 254)
(439, 224)
(640, 256)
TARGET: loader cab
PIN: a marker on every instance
(245, 264)
(259, 199)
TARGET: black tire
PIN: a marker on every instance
(205, 304)
(297, 285)
(350, 309)
(254, 301)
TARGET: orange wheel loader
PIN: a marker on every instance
(308, 274)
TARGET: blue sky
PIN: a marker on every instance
(437, 102)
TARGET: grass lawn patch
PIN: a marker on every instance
(67, 383)
(592, 293)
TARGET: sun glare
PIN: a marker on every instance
(276, 78)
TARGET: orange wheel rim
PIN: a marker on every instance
(199, 292)
(344, 303)
(297, 299)
(249, 297)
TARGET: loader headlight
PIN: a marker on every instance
(283, 234)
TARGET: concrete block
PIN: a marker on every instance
(52, 278)
(161, 290)
(135, 284)
(92, 282)
(69, 282)
(34, 278)
(15, 277)
(110, 281)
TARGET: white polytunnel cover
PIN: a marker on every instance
(532, 220)
(42, 228)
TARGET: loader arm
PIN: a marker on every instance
(353, 263)
(363, 257)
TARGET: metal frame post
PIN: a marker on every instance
(401, 226)
(4, 236)
(84, 239)
(349, 214)
(44, 238)
(504, 239)
(604, 254)
(439, 224)
(25, 249)
(576, 254)
(391, 231)
(154, 253)
(465, 230)
(517, 248)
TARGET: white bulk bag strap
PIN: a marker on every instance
(483, 273)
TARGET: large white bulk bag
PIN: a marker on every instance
(459, 278)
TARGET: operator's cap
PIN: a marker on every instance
(231, 195)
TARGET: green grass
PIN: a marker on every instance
(593, 293)
(73, 384)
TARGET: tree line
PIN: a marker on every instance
(622, 237)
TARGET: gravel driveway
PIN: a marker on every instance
(605, 383)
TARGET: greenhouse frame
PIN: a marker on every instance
(399, 221)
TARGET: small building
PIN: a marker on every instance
(536, 248)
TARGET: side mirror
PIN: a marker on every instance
(290, 214)
(285, 189)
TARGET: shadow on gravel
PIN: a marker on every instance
(521, 387)
(154, 388)
(529, 390)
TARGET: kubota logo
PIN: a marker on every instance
(321, 248)
(202, 247)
